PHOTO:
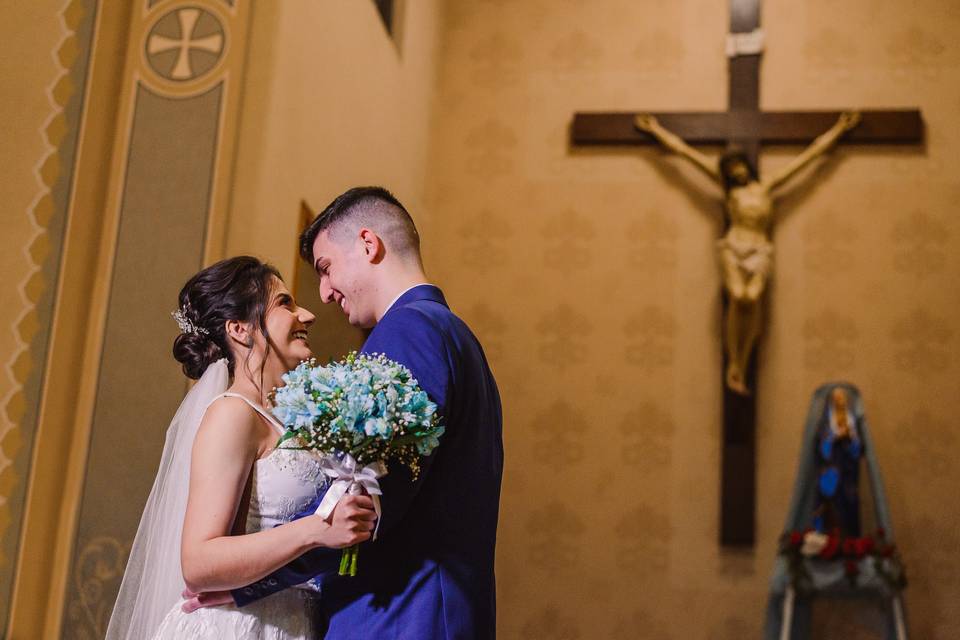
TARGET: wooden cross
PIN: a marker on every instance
(744, 125)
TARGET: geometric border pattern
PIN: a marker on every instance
(47, 171)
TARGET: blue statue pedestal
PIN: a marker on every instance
(823, 554)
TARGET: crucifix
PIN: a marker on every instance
(745, 251)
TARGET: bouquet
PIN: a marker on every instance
(361, 412)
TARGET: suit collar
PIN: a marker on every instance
(419, 292)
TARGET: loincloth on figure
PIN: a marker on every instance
(751, 257)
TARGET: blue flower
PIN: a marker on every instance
(359, 404)
(302, 421)
(428, 443)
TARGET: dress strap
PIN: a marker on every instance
(263, 412)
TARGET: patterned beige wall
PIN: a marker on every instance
(330, 101)
(590, 277)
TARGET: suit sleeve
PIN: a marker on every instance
(309, 565)
(409, 337)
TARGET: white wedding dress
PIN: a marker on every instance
(284, 483)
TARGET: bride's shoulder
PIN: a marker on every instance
(229, 418)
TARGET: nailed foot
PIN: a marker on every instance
(735, 381)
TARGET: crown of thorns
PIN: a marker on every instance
(186, 324)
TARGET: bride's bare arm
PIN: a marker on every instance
(224, 452)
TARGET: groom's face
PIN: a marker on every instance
(343, 270)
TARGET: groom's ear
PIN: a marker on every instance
(373, 247)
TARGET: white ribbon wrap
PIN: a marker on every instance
(346, 478)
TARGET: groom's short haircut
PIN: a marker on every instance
(372, 207)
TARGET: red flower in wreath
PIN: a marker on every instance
(849, 546)
(833, 545)
(863, 546)
(851, 568)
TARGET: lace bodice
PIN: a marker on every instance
(283, 483)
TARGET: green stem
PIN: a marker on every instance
(348, 561)
(344, 561)
(353, 560)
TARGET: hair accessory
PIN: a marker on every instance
(186, 325)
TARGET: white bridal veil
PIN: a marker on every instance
(153, 581)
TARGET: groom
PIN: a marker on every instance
(430, 572)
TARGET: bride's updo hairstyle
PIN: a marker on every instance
(233, 289)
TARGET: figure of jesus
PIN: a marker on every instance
(745, 251)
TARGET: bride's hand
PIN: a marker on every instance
(193, 601)
(352, 522)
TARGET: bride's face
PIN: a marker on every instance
(287, 325)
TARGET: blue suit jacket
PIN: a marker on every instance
(430, 572)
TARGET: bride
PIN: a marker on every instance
(211, 521)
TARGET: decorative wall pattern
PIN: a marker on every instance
(41, 252)
(185, 44)
(653, 239)
(489, 326)
(100, 565)
(568, 239)
(496, 60)
(830, 244)
(551, 623)
(647, 433)
(921, 242)
(564, 337)
(830, 341)
(640, 622)
(607, 344)
(493, 146)
(562, 433)
(649, 338)
(922, 341)
(559, 547)
(483, 241)
(644, 532)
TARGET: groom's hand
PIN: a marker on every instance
(196, 601)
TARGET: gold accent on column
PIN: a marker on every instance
(183, 81)
(101, 563)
